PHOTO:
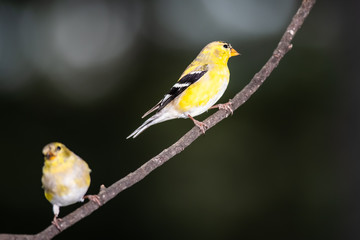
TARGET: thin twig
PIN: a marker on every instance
(107, 194)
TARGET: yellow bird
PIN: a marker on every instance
(65, 179)
(200, 86)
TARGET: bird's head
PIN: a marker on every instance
(54, 150)
(218, 51)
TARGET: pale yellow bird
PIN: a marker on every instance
(66, 178)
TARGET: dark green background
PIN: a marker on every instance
(284, 166)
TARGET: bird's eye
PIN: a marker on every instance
(58, 148)
(226, 46)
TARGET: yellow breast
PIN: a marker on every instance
(63, 178)
(205, 90)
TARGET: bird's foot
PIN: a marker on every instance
(55, 222)
(199, 124)
(93, 198)
(224, 106)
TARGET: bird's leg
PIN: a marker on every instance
(93, 198)
(201, 125)
(56, 221)
(224, 106)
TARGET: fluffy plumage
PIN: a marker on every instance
(66, 178)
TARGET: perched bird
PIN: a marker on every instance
(66, 178)
(200, 86)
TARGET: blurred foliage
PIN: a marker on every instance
(284, 166)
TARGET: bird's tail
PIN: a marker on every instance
(157, 118)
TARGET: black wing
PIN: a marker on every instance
(177, 89)
(180, 86)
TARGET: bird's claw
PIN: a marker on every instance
(199, 124)
(94, 198)
(224, 106)
(55, 222)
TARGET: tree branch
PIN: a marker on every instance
(106, 194)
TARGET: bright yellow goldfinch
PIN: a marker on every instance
(200, 86)
(66, 178)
